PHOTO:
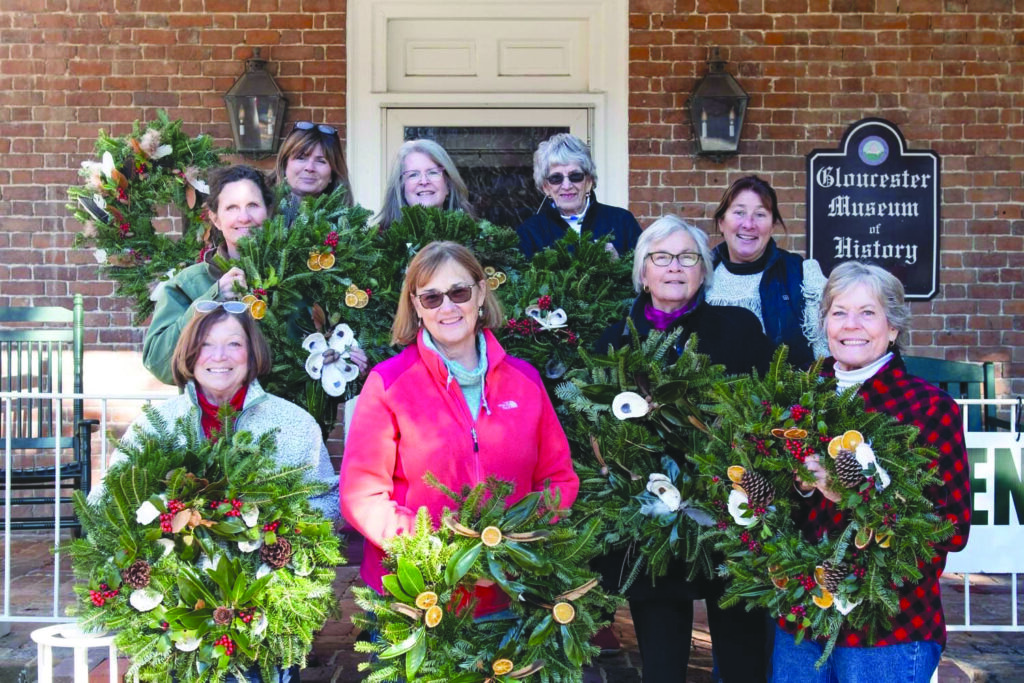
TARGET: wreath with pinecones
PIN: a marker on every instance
(638, 414)
(205, 557)
(424, 625)
(122, 204)
(765, 430)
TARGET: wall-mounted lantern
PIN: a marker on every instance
(255, 109)
(718, 106)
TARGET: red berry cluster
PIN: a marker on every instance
(759, 511)
(229, 645)
(544, 302)
(745, 537)
(798, 610)
(767, 407)
(259, 291)
(762, 447)
(102, 595)
(125, 228)
(164, 625)
(332, 239)
(798, 449)
(122, 196)
(798, 412)
(524, 327)
(369, 292)
(140, 169)
(165, 522)
(175, 506)
(859, 572)
(573, 339)
(806, 581)
(235, 503)
(722, 524)
(246, 616)
(273, 526)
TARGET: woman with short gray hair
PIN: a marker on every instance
(423, 174)
(564, 171)
(671, 268)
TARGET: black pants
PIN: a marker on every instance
(664, 627)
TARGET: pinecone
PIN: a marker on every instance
(848, 469)
(759, 490)
(834, 576)
(137, 575)
(277, 555)
(223, 615)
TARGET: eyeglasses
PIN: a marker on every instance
(208, 306)
(574, 177)
(309, 125)
(459, 294)
(431, 173)
(663, 258)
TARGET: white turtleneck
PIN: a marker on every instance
(852, 378)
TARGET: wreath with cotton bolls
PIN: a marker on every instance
(121, 198)
(764, 431)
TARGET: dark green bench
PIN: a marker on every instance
(961, 379)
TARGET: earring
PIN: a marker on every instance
(647, 288)
(480, 312)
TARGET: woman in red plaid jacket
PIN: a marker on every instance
(865, 318)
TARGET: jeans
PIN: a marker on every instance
(906, 663)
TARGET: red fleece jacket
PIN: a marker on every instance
(410, 420)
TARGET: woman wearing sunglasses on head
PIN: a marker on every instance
(564, 172)
(452, 404)
(238, 202)
(423, 174)
(311, 162)
(671, 270)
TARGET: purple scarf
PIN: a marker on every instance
(660, 320)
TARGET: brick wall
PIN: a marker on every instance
(950, 74)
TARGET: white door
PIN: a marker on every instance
(492, 148)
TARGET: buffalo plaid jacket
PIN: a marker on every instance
(911, 401)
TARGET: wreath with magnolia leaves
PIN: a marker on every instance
(205, 557)
(424, 624)
(124, 194)
(765, 430)
(639, 413)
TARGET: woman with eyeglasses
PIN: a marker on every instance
(423, 174)
(311, 162)
(781, 288)
(238, 202)
(565, 173)
(671, 269)
(452, 403)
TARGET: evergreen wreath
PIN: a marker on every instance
(565, 299)
(137, 176)
(766, 428)
(425, 630)
(637, 419)
(205, 557)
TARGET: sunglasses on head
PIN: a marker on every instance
(459, 294)
(208, 306)
(309, 125)
(574, 177)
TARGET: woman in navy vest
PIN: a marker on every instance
(781, 288)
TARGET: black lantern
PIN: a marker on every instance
(717, 108)
(255, 109)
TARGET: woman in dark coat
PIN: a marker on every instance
(671, 268)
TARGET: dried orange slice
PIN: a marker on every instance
(780, 582)
(819, 575)
(327, 261)
(502, 278)
(492, 282)
(563, 612)
(795, 433)
(852, 439)
(351, 300)
(736, 473)
(433, 616)
(352, 288)
(491, 536)
(313, 262)
(489, 271)
(825, 601)
(862, 538)
(248, 299)
(883, 539)
(426, 599)
(834, 446)
(780, 433)
(502, 667)
(362, 298)
(258, 309)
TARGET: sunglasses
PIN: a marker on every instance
(208, 306)
(574, 177)
(459, 294)
(663, 258)
(309, 125)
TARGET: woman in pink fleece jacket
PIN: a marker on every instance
(451, 403)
